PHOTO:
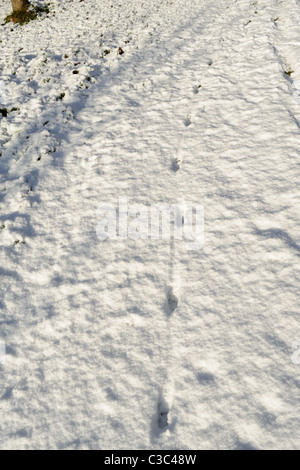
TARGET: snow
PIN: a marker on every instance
(143, 343)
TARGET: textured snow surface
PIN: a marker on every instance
(141, 344)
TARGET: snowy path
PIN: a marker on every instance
(202, 111)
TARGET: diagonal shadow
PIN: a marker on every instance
(281, 235)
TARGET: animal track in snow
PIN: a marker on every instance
(164, 406)
(162, 415)
(196, 89)
(188, 121)
(176, 164)
(172, 300)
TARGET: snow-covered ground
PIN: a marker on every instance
(143, 344)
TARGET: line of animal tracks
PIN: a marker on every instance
(138, 342)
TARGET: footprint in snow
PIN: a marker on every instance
(162, 415)
(172, 300)
(187, 122)
(176, 164)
